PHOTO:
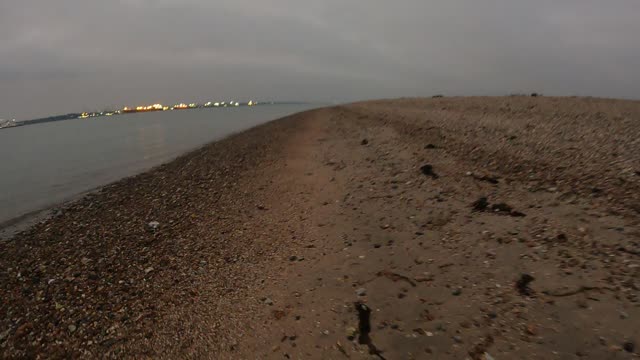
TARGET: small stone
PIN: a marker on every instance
(531, 330)
(522, 285)
(85, 261)
(148, 270)
(361, 292)
(428, 171)
(629, 346)
(153, 225)
(351, 332)
(23, 330)
(481, 204)
(293, 258)
(364, 142)
(457, 339)
(72, 328)
(268, 301)
(457, 292)
(488, 357)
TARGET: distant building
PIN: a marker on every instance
(7, 123)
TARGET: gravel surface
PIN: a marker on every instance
(453, 228)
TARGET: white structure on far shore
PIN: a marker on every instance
(7, 123)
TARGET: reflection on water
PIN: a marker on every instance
(151, 140)
(45, 164)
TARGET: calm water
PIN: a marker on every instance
(45, 164)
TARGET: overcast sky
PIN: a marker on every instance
(79, 55)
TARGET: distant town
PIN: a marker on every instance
(4, 124)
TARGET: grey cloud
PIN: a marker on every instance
(73, 55)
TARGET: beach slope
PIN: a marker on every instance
(452, 228)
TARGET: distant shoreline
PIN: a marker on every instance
(74, 116)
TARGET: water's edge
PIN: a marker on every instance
(13, 226)
(16, 225)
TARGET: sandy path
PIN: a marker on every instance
(439, 278)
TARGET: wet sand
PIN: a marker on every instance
(454, 228)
